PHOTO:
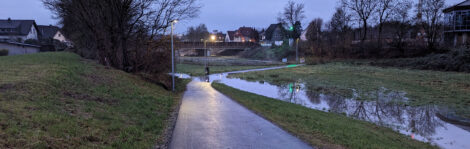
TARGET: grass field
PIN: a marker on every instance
(321, 129)
(198, 70)
(58, 100)
(422, 87)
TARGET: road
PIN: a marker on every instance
(209, 120)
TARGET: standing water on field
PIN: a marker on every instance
(430, 123)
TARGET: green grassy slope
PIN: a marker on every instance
(58, 100)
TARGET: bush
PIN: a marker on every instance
(32, 41)
(454, 60)
(4, 52)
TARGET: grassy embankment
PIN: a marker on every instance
(58, 100)
(194, 66)
(422, 87)
(198, 70)
(321, 129)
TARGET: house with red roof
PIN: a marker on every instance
(243, 34)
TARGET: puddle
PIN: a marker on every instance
(421, 123)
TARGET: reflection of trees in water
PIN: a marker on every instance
(314, 96)
(205, 78)
(384, 110)
(423, 120)
(337, 104)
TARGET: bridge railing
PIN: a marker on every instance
(215, 44)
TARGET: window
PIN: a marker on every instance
(461, 20)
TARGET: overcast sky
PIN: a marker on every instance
(219, 15)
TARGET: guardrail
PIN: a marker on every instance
(216, 44)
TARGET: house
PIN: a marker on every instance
(219, 36)
(230, 37)
(49, 32)
(18, 30)
(457, 24)
(275, 34)
(243, 34)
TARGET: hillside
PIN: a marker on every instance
(58, 100)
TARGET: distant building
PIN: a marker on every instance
(457, 24)
(219, 36)
(18, 30)
(49, 32)
(243, 34)
(275, 34)
(230, 37)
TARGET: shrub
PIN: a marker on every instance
(4, 52)
(32, 41)
(453, 60)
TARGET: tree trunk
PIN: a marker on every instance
(364, 37)
(379, 43)
(365, 30)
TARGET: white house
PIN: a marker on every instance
(18, 30)
(51, 32)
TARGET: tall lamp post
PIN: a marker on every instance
(212, 38)
(173, 56)
(297, 50)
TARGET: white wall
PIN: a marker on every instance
(14, 49)
(60, 37)
(33, 34)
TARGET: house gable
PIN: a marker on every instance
(18, 29)
(33, 33)
(59, 36)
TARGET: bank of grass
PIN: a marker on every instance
(321, 129)
(422, 87)
(58, 100)
(198, 70)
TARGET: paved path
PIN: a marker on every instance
(210, 120)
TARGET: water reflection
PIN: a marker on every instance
(205, 78)
(385, 107)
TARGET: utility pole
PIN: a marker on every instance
(297, 51)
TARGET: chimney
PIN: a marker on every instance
(9, 19)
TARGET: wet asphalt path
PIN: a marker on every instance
(209, 120)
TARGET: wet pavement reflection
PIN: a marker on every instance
(428, 123)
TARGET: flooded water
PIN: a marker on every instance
(424, 123)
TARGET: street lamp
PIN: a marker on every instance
(212, 38)
(173, 56)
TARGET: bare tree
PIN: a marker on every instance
(432, 23)
(340, 21)
(402, 20)
(197, 33)
(106, 28)
(314, 31)
(167, 10)
(339, 27)
(363, 10)
(384, 11)
(293, 12)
